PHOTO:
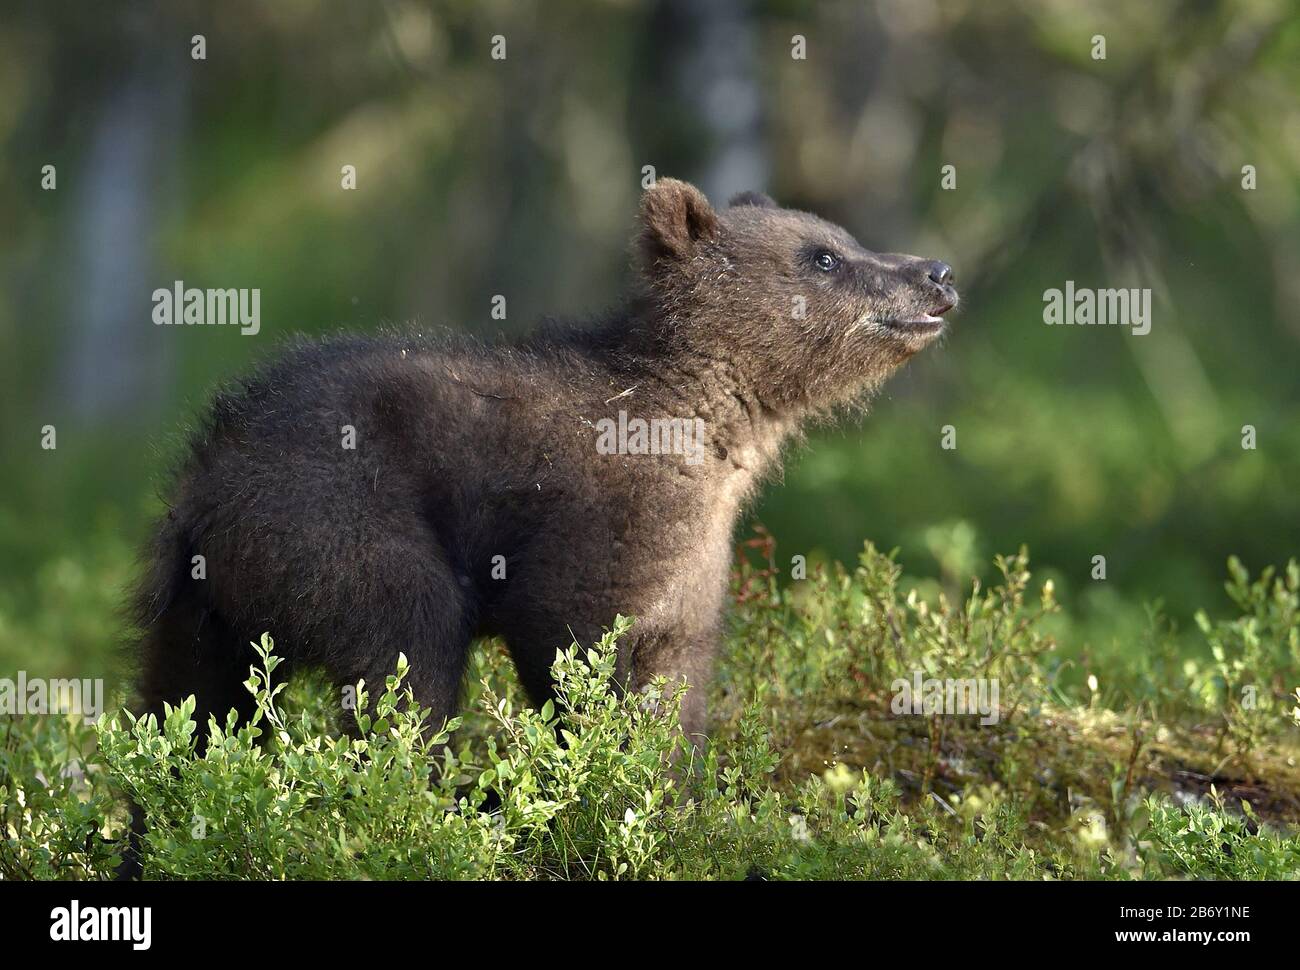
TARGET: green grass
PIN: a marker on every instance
(1170, 769)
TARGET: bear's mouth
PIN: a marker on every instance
(921, 323)
(926, 323)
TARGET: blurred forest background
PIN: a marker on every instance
(521, 177)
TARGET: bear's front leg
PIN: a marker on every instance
(679, 655)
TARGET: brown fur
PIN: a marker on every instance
(465, 452)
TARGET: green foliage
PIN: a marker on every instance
(809, 774)
(863, 623)
(61, 615)
(1256, 655)
(54, 800)
(1208, 843)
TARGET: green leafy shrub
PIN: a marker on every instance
(1206, 842)
(1256, 655)
(810, 773)
(54, 800)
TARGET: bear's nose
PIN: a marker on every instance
(941, 273)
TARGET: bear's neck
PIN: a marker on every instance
(663, 369)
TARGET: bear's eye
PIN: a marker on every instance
(826, 261)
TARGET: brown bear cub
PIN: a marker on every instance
(365, 497)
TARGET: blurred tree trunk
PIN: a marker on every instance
(704, 67)
(118, 362)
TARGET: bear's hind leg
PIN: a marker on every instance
(416, 607)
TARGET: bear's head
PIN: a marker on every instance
(794, 305)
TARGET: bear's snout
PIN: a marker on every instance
(935, 281)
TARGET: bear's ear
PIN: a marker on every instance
(675, 218)
(752, 198)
